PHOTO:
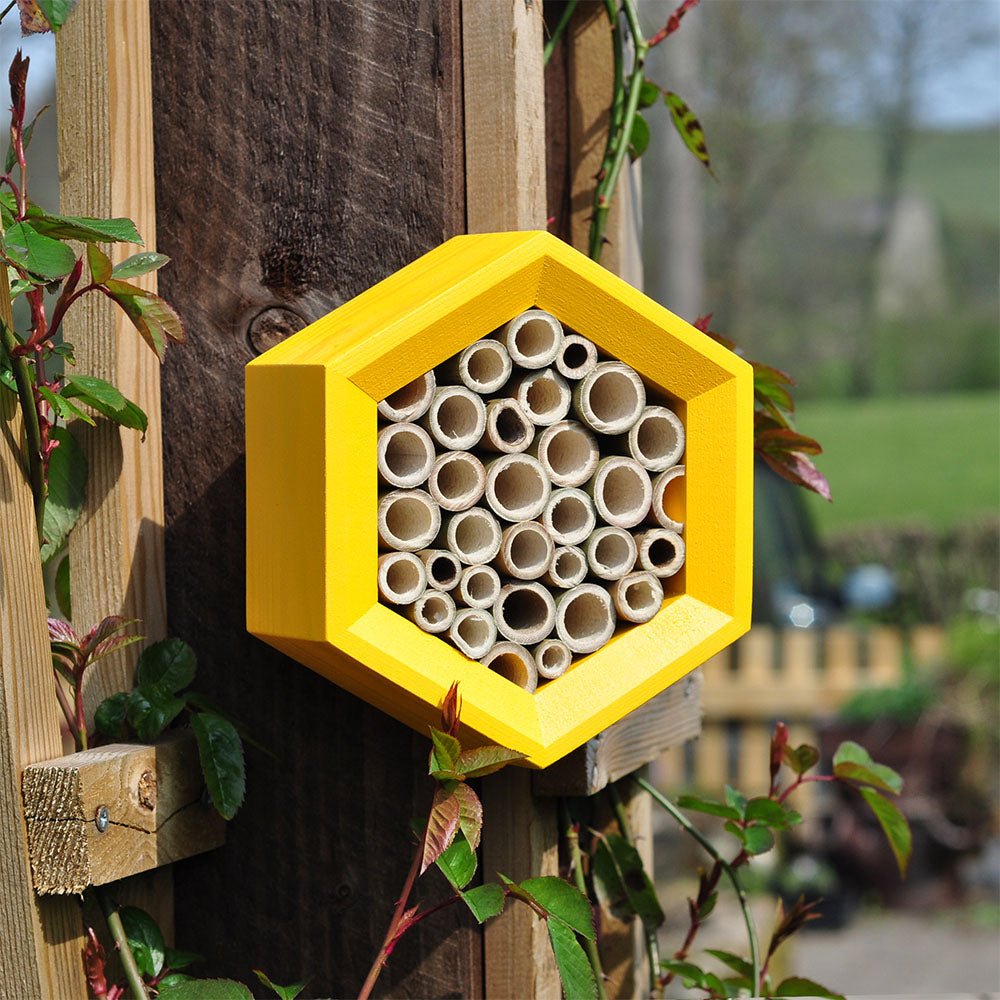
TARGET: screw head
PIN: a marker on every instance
(102, 819)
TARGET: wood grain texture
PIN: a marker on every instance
(305, 151)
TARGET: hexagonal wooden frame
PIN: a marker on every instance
(312, 490)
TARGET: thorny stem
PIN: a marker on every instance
(553, 41)
(132, 973)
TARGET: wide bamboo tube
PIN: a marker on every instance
(433, 611)
(526, 551)
(456, 418)
(656, 439)
(611, 553)
(637, 596)
(513, 661)
(474, 632)
(401, 577)
(508, 428)
(457, 480)
(661, 551)
(533, 338)
(478, 587)
(443, 568)
(577, 357)
(544, 396)
(482, 367)
(622, 491)
(569, 516)
(585, 618)
(517, 487)
(407, 520)
(667, 508)
(524, 612)
(411, 402)
(473, 535)
(610, 399)
(568, 453)
(569, 567)
(552, 658)
(404, 455)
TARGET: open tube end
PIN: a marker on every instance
(404, 455)
(622, 492)
(533, 338)
(401, 577)
(524, 612)
(611, 553)
(552, 658)
(585, 618)
(638, 597)
(568, 453)
(410, 402)
(611, 398)
(661, 551)
(478, 587)
(517, 487)
(457, 480)
(526, 551)
(513, 661)
(433, 611)
(474, 632)
(473, 535)
(407, 520)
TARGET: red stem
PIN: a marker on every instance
(802, 780)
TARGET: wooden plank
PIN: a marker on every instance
(154, 813)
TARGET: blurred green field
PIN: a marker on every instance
(933, 459)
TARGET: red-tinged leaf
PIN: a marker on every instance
(94, 958)
(894, 826)
(688, 128)
(778, 743)
(18, 75)
(781, 440)
(33, 21)
(769, 392)
(105, 628)
(470, 814)
(799, 469)
(451, 710)
(801, 758)
(485, 760)
(442, 826)
(115, 642)
(443, 755)
(62, 632)
(156, 320)
(772, 376)
(99, 263)
(853, 763)
(703, 322)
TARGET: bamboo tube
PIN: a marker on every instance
(661, 551)
(622, 491)
(517, 488)
(533, 338)
(610, 398)
(508, 428)
(552, 658)
(526, 551)
(569, 516)
(656, 439)
(442, 567)
(577, 357)
(637, 597)
(568, 452)
(569, 567)
(457, 480)
(524, 612)
(433, 611)
(411, 402)
(405, 454)
(478, 587)
(474, 632)
(667, 508)
(544, 396)
(513, 661)
(407, 520)
(482, 367)
(456, 418)
(473, 535)
(585, 618)
(611, 553)
(401, 577)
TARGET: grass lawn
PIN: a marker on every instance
(933, 458)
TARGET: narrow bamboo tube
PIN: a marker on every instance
(585, 618)
(526, 551)
(473, 535)
(401, 577)
(433, 611)
(457, 480)
(622, 491)
(544, 396)
(552, 658)
(533, 338)
(517, 488)
(568, 452)
(513, 661)
(637, 597)
(508, 428)
(667, 508)
(482, 367)
(577, 357)
(405, 454)
(569, 516)
(411, 402)
(407, 520)
(524, 612)
(442, 567)
(661, 551)
(474, 632)
(610, 398)
(656, 439)
(456, 418)
(478, 587)
(611, 553)
(569, 567)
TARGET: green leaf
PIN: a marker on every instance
(894, 825)
(63, 407)
(757, 839)
(56, 11)
(283, 992)
(221, 754)
(444, 752)
(206, 989)
(83, 228)
(458, 862)
(174, 959)
(67, 492)
(38, 254)
(688, 128)
(485, 760)
(562, 901)
(207, 705)
(442, 825)
(144, 937)
(621, 877)
(110, 716)
(649, 94)
(734, 962)
(106, 399)
(485, 901)
(715, 984)
(796, 986)
(708, 905)
(169, 663)
(61, 587)
(172, 979)
(709, 806)
(772, 813)
(690, 974)
(156, 320)
(638, 138)
(575, 971)
(852, 762)
(99, 263)
(736, 800)
(140, 263)
(150, 710)
(802, 758)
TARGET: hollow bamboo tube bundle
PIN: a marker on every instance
(404, 454)
(667, 508)
(408, 520)
(526, 551)
(457, 480)
(569, 567)
(622, 491)
(517, 487)
(524, 612)
(401, 577)
(442, 567)
(610, 399)
(513, 661)
(482, 367)
(569, 516)
(585, 618)
(474, 632)
(533, 338)
(410, 402)
(577, 357)
(473, 535)
(568, 453)
(508, 428)
(637, 596)
(611, 553)
(661, 551)
(478, 587)
(544, 396)
(552, 658)
(456, 418)
(433, 611)
(656, 439)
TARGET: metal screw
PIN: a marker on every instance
(102, 819)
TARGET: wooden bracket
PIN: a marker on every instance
(100, 815)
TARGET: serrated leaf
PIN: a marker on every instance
(470, 814)
(221, 755)
(140, 263)
(575, 972)
(207, 705)
(799, 469)
(894, 826)
(175, 959)
(83, 228)
(734, 962)
(796, 986)
(156, 320)
(63, 406)
(56, 11)
(688, 128)
(444, 752)
(48, 258)
(442, 826)
(801, 758)
(638, 138)
(110, 716)
(485, 901)
(620, 876)
(485, 760)
(709, 806)
(283, 992)
(145, 938)
(772, 813)
(99, 263)
(172, 979)
(562, 901)
(62, 632)
(107, 401)
(852, 762)
(67, 492)
(150, 710)
(206, 989)
(169, 663)
(458, 862)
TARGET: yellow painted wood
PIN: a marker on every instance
(312, 489)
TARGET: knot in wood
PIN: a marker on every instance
(271, 327)
(147, 790)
